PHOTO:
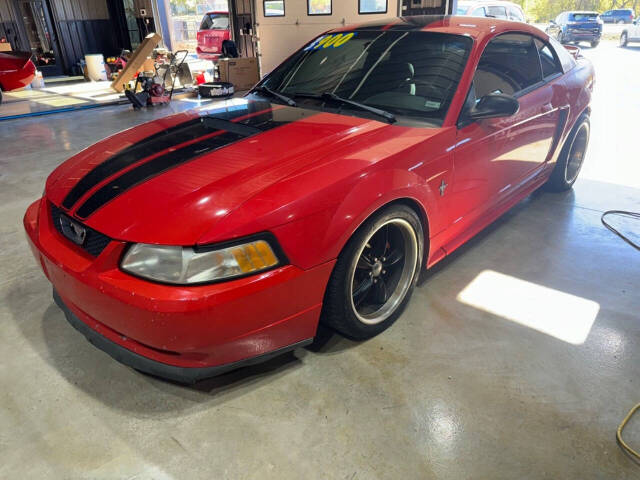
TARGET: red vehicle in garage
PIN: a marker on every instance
(214, 30)
(214, 238)
(16, 71)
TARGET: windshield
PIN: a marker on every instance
(584, 17)
(215, 21)
(412, 74)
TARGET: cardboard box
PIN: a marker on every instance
(136, 62)
(242, 72)
(5, 47)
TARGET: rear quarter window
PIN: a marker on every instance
(566, 59)
(548, 60)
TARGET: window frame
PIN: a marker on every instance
(556, 59)
(360, 12)
(484, 12)
(264, 9)
(309, 14)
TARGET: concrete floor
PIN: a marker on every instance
(451, 391)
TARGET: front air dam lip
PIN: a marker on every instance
(187, 375)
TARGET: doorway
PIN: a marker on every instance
(243, 24)
(41, 36)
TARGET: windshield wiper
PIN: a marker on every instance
(328, 96)
(264, 89)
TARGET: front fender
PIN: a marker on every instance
(321, 237)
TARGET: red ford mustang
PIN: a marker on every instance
(16, 71)
(211, 239)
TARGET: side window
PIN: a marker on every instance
(509, 64)
(206, 23)
(479, 12)
(548, 61)
(497, 12)
(515, 15)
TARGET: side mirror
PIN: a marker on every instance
(495, 105)
(552, 22)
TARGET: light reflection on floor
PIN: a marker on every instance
(559, 314)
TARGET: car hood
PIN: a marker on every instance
(170, 181)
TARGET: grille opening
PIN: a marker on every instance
(94, 242)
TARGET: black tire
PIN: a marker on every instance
(339, 309)
(566, 170)
(595, 43)
(0, 96)
(560, 38)
(624, 39)
(620, 22)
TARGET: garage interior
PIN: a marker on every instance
(466, 384)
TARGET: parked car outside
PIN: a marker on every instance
(222, 236)
(494, 9)
(630, 34)
(575, 27)
(622, 15)
(214, 29)
(16, 71)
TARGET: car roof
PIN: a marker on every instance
(217, 12)
(474, 27)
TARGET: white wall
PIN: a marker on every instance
(279, 37)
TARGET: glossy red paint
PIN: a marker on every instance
(311, 182)
(16, 70)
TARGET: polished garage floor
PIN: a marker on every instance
(516, 359)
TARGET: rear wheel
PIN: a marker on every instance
(375, 274)
(571, 157)
(624, 39)
(620, 22)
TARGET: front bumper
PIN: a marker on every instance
(181, 333)
(145, 364)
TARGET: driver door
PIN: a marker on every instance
(493, 157)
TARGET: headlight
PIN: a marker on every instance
(185, 266)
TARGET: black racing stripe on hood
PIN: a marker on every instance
(232, 133)
(168, 138)
(152, 168)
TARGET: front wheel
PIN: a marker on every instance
(375, 274)
(571, 157)
(624, 39)
(595, 43)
